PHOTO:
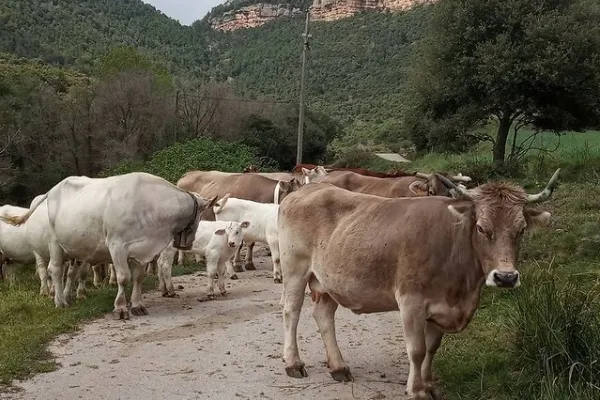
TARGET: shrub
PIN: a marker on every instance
(202, 154)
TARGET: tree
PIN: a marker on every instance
(519, 62)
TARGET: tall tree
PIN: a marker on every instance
(526, 62)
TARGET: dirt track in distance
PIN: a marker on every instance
(229, 348)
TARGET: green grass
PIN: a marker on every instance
(30, 321)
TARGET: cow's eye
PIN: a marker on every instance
(521, 232)
(484, 232)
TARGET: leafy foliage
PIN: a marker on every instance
(521, 62)
(201, 153)
(78, 33)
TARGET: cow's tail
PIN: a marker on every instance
(218, 207)
(17, 220)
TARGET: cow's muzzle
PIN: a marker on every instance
(503, 279)
(232, 244)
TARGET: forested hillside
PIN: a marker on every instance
(355, 71)
(356, 68)
(77, 33)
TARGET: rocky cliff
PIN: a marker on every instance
(322, 10)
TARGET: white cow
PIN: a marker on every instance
(16, 244)
(263, 224)
(217, 241)
(130, 217)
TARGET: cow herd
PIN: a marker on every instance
(423, 244)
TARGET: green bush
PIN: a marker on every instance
(555, 327)
(202, 154)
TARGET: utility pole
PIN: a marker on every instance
(306, 35)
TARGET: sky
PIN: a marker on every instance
(185, 11)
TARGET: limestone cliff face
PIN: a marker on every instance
(322, 10)
(252, 16)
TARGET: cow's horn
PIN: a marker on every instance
(423, 175)
(460, 189)
(547, 192)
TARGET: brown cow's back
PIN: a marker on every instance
(392, 187)
(240, 185)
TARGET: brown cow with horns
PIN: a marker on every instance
(428, 257)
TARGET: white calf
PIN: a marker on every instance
(263, 224)
(217, 241)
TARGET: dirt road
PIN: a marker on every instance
(229, 348)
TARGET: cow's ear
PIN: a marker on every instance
(461, 212)
(305, 171)
(419, 188)
(284, 185)
(220, 232)
(245, 224)
(536, 218)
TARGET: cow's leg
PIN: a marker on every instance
(72, 272)
(42, 270)
(237, 260)
(112, 280)
(433, 340)
(123, 274)
(55, 267)
(100, 274)
(180, 257)
(230, 270)
(324, 315)
(212, 270)
(293, 298)
(413, 323)
(138, 272)
(248, 263)
(84, 269)
(274, 246)
(165, 266)
(221, 280)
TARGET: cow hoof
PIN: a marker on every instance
(139, 310)
(342, 375)
(120, 313)
(170, 294)
(81, 296)
(238, 268)
(224, 293)
(234, 277)
(297, 370)
(277, 280)
(250, 266)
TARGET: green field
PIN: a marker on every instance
(540, 341)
